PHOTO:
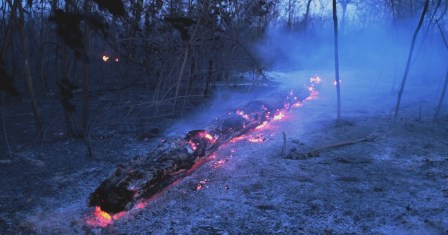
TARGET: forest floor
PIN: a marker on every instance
(394, 183)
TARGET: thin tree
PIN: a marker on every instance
(442, 97)
(85, 80)
(336, 60)
(27, 66)
(445, 84)
(411, 51)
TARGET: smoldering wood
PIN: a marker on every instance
(172, 159)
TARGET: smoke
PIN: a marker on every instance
(376, 53)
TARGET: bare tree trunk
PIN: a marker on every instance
(442, 97)
(42, 51)
(307, 14)
(209, 78)
(85, 81)
(336, 60)
(8, 32)
(344, 14)
(411, 51)
(26, 61)
(179, 78)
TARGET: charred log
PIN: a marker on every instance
(147, 175)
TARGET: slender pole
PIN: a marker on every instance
(336, 60)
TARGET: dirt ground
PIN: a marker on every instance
(396, 182)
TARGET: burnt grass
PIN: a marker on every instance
(393, 184)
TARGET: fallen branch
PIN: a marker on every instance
(315, 152)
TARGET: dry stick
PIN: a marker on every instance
(336, 60)
(315, 151)
(411, 51)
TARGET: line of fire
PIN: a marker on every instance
(132, 184)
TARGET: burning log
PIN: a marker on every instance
(173, 158)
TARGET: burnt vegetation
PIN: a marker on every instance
(90, 78)
(101, 63)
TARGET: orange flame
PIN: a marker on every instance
(100, 218)
(262, 125)
(105, 58)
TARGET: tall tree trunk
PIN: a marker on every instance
(85, 80)
(26, 61)
(336, 61)
(411, 51)
(442, 97)
(208, 79)
(307, 13)
(179, 78)
(8, 32)
(344, 14)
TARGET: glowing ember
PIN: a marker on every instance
(242, 114)
(311, 88)
(141, 205)
(238, 138)
(262, 125)
(315, 79)
(116, 59)
(192, 145)
(219, 163)
(118, 215)
(278, 116)
(297, 104)
(105, 58)
(201, 184)
(257, 139)
(100, 218)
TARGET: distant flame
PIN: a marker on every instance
(105, 58)
(278, 116)
(116, 60)
(315, 79)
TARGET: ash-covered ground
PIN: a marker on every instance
(395, 182)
